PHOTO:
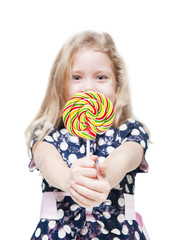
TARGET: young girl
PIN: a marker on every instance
(88, 198)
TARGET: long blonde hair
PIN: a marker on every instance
(50, 113)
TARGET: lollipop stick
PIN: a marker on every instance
(88, 149)
(89, 216)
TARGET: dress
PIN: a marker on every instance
(112, 220)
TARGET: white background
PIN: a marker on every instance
(31, 34)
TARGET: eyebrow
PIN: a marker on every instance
(96, 72)
(103, 71)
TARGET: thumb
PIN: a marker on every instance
(94, 157)
(101, 169)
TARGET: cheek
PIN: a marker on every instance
(72, 90)
(110, 92)
(114, 93)
(112, 97)
(75, 88)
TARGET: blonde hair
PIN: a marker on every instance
(50, 113)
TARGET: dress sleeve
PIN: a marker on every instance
(133, 131)
(51, 138)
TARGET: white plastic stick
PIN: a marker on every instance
(88, 149)
(89, 215)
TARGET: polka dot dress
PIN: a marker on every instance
(110, 217)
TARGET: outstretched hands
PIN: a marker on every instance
(88, 185)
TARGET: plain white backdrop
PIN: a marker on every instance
(32, 32)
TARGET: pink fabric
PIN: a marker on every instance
(32, 165)
(144, 165)
(129, 207)
(145, 233)
(49, 208)
(142, 226)
(139, 220)
(130, 213)
(89, 216)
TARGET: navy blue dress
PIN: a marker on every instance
(114, 220)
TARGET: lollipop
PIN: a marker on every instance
(88, 113)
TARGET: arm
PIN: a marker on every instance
(50, 163)
(56, 172)
(122, 160)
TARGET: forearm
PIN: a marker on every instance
(51, 165)
(122, 160)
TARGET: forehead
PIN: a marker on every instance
(90, 58)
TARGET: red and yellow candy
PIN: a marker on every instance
(88, 113)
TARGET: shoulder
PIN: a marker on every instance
(57, 135)
(129, 127)
(133, 126)
(130, 130)
(133, 130)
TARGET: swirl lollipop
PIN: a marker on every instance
(88, 113)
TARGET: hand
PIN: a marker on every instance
(90, 192)
(83, 168)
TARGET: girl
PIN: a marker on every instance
(88, 198)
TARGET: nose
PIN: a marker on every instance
(89, 84)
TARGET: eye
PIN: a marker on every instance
(76, 77)
(101, 77)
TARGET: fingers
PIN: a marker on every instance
(87, 162)
(78, 171)
(101, 170)
(94, 157)
(99, 186)
(81, 200)
(84, 167)
(87, 191)
(85, 196)
(88, 172)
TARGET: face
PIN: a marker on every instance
(92, 70)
